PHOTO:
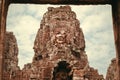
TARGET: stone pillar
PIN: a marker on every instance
(3, 13)
(116, 27)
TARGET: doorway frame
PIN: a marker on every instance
(4, 4)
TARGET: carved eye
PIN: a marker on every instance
(57, 18)
(75, 53)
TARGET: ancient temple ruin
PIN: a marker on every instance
(10, 57)
(59, 49)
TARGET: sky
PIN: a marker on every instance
(95, 20)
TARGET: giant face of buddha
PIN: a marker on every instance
(60, 36)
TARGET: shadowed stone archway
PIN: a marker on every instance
(62, 71)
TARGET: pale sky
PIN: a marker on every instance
(95, 21)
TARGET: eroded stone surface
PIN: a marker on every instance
(10, 55)
(59, 50)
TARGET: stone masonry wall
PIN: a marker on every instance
(10, 56)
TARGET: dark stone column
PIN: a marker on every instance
(3, 12)
(116, 27)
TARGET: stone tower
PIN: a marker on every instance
(60, 48)
(59, 44)
(10, 56)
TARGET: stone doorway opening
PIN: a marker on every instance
(62, 71)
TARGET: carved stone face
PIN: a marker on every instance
(60, 37)
(59, 34)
